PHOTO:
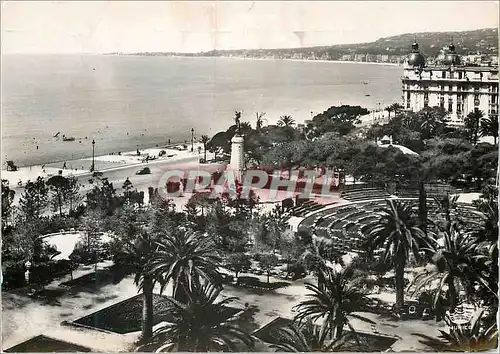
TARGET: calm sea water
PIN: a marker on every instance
(127, 101)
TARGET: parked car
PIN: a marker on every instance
(144, 171)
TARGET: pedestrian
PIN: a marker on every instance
(37, 147)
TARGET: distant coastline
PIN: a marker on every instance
(251, 58)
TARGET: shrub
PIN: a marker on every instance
(41, 273)
(254, 281)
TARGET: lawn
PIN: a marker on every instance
(125, 317)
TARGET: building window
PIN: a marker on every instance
(441, 102)
(443, 75)
(476, 100)
(442, 87)
(450, 105)
(460, 75)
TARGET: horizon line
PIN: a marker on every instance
(242, 49)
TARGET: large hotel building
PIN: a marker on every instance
(457, 88)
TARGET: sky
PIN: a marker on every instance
(115, 26)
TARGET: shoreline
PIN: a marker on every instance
(142, 147)
(110, 161)
(253, 58)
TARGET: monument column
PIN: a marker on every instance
(237, 157)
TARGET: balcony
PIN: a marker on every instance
(447, 79)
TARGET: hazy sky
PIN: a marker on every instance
(93, 27)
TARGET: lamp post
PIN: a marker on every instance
(192, 139)
(93, 157)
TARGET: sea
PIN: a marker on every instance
(128, 102)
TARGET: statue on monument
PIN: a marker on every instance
(237, 121)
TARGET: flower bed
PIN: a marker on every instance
(126, 316)
(47, 345)
(255, 283)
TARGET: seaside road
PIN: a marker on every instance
(118, 175)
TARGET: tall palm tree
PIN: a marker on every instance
(260, 120)
(204, 140)
(489, 127)
(454, 265)
(396, 108)
(200, 325)
(286, 121)
(135, 246)
(318, 255)
(446, 205)
(398, 235)
(479, 338)
(184, 258)
(339, 297)
(305, 337)
(473, 124)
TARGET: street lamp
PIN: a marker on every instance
(192, 139)
(93, 157)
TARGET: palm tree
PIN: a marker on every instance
(398, 235)
(200, 325)
(396, 108)
(454, 265)
(305, 337)
(446, 204)
(479, 338)
(204, 140)
(245, 128)
(184, 258)
(339, 297)
(260, 120)
(318, 255)
(135, 247)
(286, 121)
(472, 124)
(487, 205)
(489, 127)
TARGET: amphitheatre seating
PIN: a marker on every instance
(305, 208)
(364, 194)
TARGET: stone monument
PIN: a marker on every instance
(237, 158)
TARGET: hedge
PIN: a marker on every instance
(40, 274)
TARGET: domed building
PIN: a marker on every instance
(448, 56)
(415, 58)
(449, 84)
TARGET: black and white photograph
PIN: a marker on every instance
(249, 176)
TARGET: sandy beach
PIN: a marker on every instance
(279, 59)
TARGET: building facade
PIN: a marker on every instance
(450, 84)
